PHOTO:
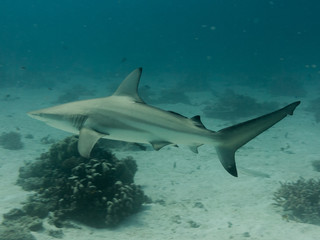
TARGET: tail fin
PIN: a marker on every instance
(236, 136)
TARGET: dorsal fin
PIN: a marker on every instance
(129, 86)
(197, 120)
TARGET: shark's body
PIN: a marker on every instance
(124, 116)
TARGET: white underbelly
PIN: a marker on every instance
(155, 135)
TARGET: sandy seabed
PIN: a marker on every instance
(195, 198)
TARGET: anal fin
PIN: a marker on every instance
(194, 148)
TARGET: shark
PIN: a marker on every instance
(125, 116)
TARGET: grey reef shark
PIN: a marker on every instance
(125, 116)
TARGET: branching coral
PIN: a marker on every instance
(300, 200)
(98, 192)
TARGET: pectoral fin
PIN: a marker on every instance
(87, 139)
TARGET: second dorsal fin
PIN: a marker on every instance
(197, 121)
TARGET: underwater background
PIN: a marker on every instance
(250, 41)
(227, 61)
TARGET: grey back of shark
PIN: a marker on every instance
(125, 116)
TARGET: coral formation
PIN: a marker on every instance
(99, 191)
(11, 141)
(15, 233)
(231, 106)
(19, 217)
(300, 200)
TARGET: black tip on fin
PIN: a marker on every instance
(232, 170)
(291, 107)
(129, 86)
(226, 157)
(197, 121)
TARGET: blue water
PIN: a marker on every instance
(226, 60)
(249, 40)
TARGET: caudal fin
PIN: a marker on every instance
(234, 137)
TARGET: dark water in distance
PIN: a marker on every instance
(249, 40)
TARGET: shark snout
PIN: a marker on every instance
(35, 114)
(32, 113)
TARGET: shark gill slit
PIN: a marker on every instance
(78, 121)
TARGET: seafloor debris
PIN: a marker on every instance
(99, 191)
(11, 141)
(232, 106)
(300, 200)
